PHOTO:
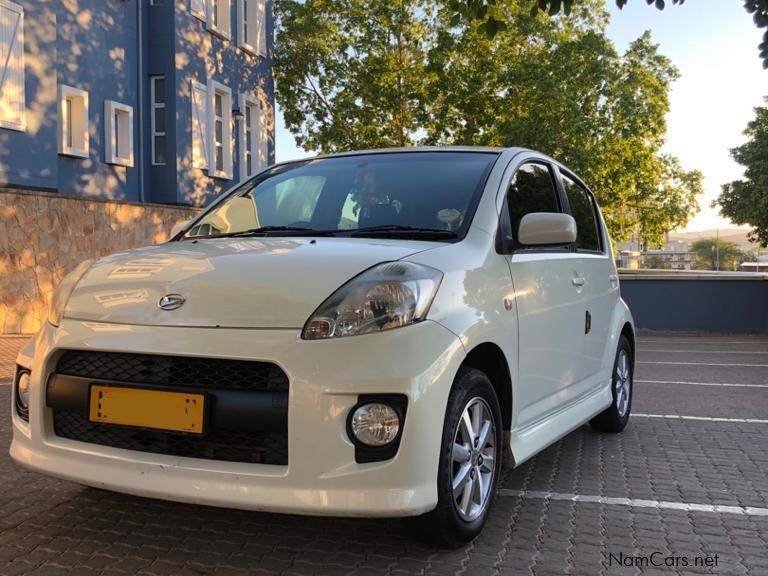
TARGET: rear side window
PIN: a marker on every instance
(584, 212)
(532, 189)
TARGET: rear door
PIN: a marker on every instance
(596, 272)
(548, 306)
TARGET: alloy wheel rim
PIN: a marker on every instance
(473, 459)
(622, 383)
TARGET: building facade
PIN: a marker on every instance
(119, 118)
(162, 101)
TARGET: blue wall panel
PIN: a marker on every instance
(695, 304)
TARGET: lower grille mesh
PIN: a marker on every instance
(224, 445)
(219, 443)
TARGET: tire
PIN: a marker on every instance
(615, 417)
(457, 519)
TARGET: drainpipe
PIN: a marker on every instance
(140, 93)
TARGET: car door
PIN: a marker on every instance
(599, 281)
(548, 307)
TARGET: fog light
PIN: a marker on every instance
(375, 424)
(23, 390)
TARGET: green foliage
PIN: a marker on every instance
(477, 10)
(745, 201)
(707, 251)
(410, 74)
(655, 262)
(351, 72)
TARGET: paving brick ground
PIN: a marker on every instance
(9, 348)
(52, 527)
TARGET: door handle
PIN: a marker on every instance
(577, 281)
(614, 278)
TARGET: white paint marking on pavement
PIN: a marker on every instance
(712, 341)
(701, 351)
(704, 364)
(637, 503)
(722, 384)
(702, 418)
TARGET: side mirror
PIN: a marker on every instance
(178, 227)
(546, 228)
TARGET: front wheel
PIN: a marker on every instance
(470, 463)
(615, 417)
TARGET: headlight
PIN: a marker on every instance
(64, 291)
(390, 295)
(375, 424)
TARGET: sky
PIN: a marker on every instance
(714, 45)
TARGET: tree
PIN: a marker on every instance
(709, 251)
(482, 11)
(351, 72)
(745, 201)
(412, 75)
(655, 262)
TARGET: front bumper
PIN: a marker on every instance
(326, 378)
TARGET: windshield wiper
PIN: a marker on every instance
(267, 230)
(399, 230)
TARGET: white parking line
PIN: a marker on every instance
(702, 351)
(704, 364)
(722, 384)
(637, 503)
(702, 341)
(703, 418)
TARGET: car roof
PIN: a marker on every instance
(495, 150)
(514, 150)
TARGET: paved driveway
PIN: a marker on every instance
(686, 486)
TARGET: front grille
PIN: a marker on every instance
(172, 370)
(221, 442)
(224, 445)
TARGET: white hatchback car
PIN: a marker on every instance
(366, 334)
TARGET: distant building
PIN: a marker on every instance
(628, 259)
(761, 266)
(674, 255)
(164, 101)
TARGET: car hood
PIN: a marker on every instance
(228, 282)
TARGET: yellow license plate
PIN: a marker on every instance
(175, 411)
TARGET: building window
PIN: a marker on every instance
(253, 137)
(157, 98)
(220, 147)
(118, 133)
(219, 17)
(198, 9)
(252, 26)
(73, 121)
(12, 106)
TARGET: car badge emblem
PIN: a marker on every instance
(171, 302)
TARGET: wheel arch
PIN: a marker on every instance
(628, 331)
(490, 359)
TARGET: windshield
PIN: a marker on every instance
(398, 194)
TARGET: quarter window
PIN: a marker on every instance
(584, 212)
(532, 189)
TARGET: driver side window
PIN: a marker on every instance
(532, 189)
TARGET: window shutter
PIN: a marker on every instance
(261, 27)
(198, 8)
(200, 125)
(262, 147)
(12, 114)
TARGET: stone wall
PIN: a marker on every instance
(43, 236)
